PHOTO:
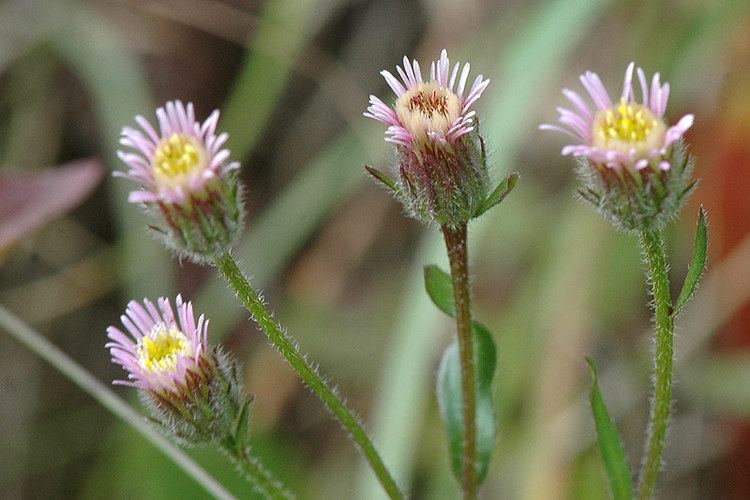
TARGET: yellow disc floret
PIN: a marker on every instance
(176, 157)
(159, 350)
(628, 126)
(428, 107)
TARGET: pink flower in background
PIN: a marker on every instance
(29, 199)
(630, 132)
(164, 354)
(432, 113)
(175, 163)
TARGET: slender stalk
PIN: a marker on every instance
(305, 370)
(107, 398)
(653, 248)
(255, 473)
(456, 245)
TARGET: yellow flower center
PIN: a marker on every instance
(628, 126)
(159, 350)
(176, 157)
(428, 107)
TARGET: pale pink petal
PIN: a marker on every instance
(462, 80)
(577, 101)
(627, 84)
(393, 83)
(596, 90)
(678, 130)
(452, 81)
(644, 86)
(655, 92)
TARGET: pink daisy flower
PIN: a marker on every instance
(442, 163)
(428, 114)
(177, 162)
(631, 132)
(164, 353)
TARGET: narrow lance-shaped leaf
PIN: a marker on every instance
(242, 426)
(501, 191)
(383, 178)
(610, 443)
(450, 401)
(697, 264)
(439, 288)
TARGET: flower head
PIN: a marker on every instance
(164, 352)
(442, 165)
(184, 173)
(192, 389)
(428, 114)
(627, 133)
(634, 166)
(178, 161)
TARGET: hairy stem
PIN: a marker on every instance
(456, 245)
(305, 370)
(256, 474)
(653, 248)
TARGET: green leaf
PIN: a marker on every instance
(610, 443)
(450, 400)
(697, 265)
(383, 178)
(242, 426)
(440, 288)
(501, 191)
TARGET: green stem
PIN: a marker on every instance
(456, 245)
(255, 473)
(304, 368)
(653, 248)
(107, 398)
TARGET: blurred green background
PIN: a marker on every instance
(340, 263)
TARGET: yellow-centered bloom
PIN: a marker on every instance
(164, 351)
(159, 350)
(176, 158)
(628, 134)
(185, 180)
(176, 163)
(627, 127)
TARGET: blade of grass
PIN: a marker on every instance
(267, 67)
(117, 85)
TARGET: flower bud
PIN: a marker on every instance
(186, 181)
(634, 168)
(442, 166)
(192, 390)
